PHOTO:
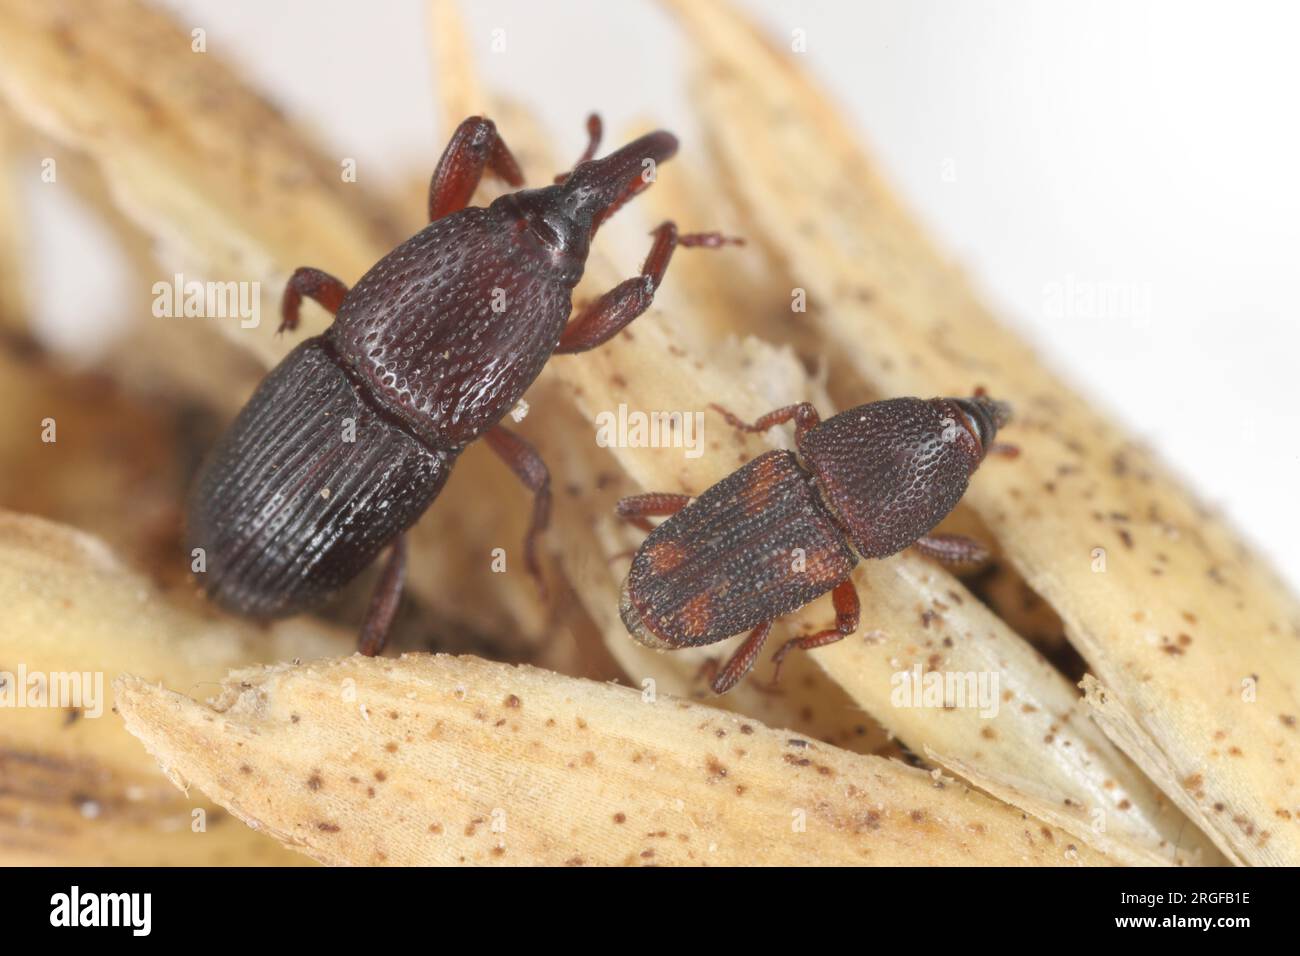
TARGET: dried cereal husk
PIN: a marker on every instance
(445, 760)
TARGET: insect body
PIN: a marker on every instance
(351, 437)
(780, 532)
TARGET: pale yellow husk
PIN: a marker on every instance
(446, 760)
(75, 787)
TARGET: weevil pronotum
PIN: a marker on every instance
(778, 533)
(351, 437)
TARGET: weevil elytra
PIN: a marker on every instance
(780, 532)
(352, 436)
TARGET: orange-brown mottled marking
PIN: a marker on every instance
(664, 556)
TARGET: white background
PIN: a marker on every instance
(1150, 149)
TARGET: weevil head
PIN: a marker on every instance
(981, 417)
(543, 229)
(562, 218)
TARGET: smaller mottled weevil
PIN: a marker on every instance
(779, 533)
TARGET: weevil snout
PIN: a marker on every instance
(983, 417)
(598, 187)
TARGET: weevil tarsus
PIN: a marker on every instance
(848, 613)
(803, 414)
(741, 662)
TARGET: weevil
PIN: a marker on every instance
(780, 531)
(352, 436)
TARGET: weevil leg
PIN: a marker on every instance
(321, 287)
(532, 471)
(848, 612)
(595, 129)
(952, 549)
(804, 415)
(384, 602)
(476, 146)
(742, 661)
(610, 314)
(635, 509)
(1004, 450)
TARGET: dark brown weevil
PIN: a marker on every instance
(351, 437)
(779, 533)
